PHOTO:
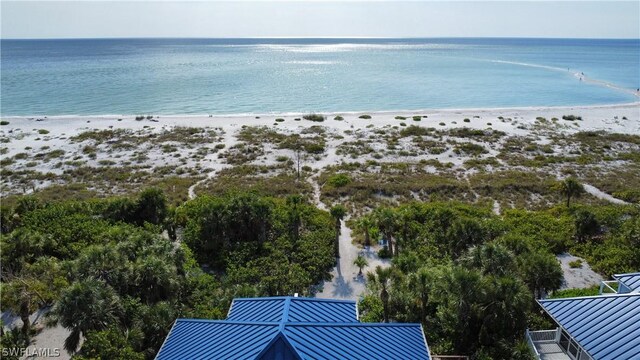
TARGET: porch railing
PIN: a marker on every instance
(541, 336)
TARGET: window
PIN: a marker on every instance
(573, 350)
(564, 341)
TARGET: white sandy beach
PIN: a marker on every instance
(30, 135)
(595, 117)
(623, 118)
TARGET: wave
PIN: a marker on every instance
(577, 74)
(344, 47)
(328, 113)
(312, 62)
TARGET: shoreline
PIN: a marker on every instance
(334, 113)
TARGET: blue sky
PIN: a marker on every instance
(91, 19)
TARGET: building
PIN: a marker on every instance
(286, 328)
(602, 327)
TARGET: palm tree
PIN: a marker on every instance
(387, 222)
(23, 298)
(570, 188)
(155, 277)
(151, 206)
(405, 217)
(293, 203)
(85, 306)
(490, 258)
(542, 273)
(338, 212)
(364, 225)
(382, 279)
(360, 262)
(421, 283)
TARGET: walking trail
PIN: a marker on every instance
(602, 195)
(345, 283)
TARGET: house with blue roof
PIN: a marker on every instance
(602, 327)
(286, 328)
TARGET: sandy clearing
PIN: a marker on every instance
(579, 277)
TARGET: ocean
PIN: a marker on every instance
(262, 76)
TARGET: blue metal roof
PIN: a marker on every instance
(358, 341)
(606, 326)
(207, 339)
(322, 310)
(629, 282)
(300, 309)
(267, 310)
(292, 328)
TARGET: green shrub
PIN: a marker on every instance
(314, 117)
(630, 195)
(569, 293)
(6, 161)
(470, 149)
(576, 264)
(417, 118)
(400, 117)
(4, 122)
(365, 116)
(466, 120)
(415, 130)
(384, 253)
(571, 117)
(279, 120)
(43, 131)
(339, 180)
(106, 162)
(314, 148)
(339, 118)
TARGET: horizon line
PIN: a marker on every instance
(319, 38)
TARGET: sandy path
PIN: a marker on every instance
(192, 189)
(592, 190)
(579, 277)
(47, 343)
(345, 283)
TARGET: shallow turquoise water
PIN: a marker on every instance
(237, 76)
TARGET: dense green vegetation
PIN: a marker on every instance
(471, 277)
(113, 271)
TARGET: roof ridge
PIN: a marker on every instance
(285, 313)
(591, 297)
(296, 298)
(627, 274)
(354, 324)
(233, 322)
